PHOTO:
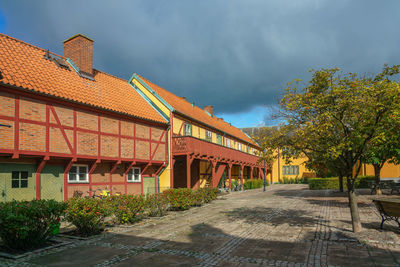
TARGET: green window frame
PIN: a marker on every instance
(219, 139)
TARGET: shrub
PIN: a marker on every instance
(87, 214)
(156, 205)
(234, 184)
(180, 198)
(199, 196)
(253, 184)
(27, 224)
(205, 195)
(127, 208)
(296, 180)
(333, 182)
(211, 194)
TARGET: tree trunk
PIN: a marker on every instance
(341, 183)
(377, 171)
(355, 216)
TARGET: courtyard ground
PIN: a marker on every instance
(288, 225)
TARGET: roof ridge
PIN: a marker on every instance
(116, 77)
(31, 45)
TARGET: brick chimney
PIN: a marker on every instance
(79, 49)
(209, 109)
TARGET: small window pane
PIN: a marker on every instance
(73, 169)
(82, 176)
(15, 183)
(130, 176)
(15, 175)
(24, 175)
(137, 171)
(24, 183)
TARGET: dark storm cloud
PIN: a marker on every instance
(231, 54)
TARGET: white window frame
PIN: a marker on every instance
(77, 181)
(189, 129)
(228, 142)
(240, 146)
(290, 170)
(132, 172)
(208, 135)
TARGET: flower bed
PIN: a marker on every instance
(29, 224)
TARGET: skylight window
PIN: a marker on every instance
(58, 60)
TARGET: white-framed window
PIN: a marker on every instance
(78, 174)
(188, 129)
(290, 170)
(134, 175)
(240, 146)
(228, 142)
(208, 135)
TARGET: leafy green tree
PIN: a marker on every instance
(385, 147)
(333, 119)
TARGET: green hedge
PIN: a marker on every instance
(333, 182)
(296, 180)
(253, 184)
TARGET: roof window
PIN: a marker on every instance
(58, 60)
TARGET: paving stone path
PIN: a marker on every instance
(288, 225)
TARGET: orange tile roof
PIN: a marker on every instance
(24, 65)
(184, 107)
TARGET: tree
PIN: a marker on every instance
(334, 118)
(384, 148)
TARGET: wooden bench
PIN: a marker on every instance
(389, 209)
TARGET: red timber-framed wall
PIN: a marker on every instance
(53, 131)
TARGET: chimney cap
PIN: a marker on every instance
(76, 35)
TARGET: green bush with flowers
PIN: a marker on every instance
(29, 224)
(127, 208)
(156, 205)
(180, 198)
(87, 214)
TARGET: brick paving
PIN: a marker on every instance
(288, 225)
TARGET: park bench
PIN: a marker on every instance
(389, 209)
(390, 184)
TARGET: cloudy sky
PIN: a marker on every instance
(234, 55)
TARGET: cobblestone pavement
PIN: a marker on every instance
(288, 225)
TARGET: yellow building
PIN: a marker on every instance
(203, 150)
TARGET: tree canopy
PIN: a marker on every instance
(334, 118)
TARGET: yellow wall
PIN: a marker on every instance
(389, 170)
(277, 169)
(165, 176)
